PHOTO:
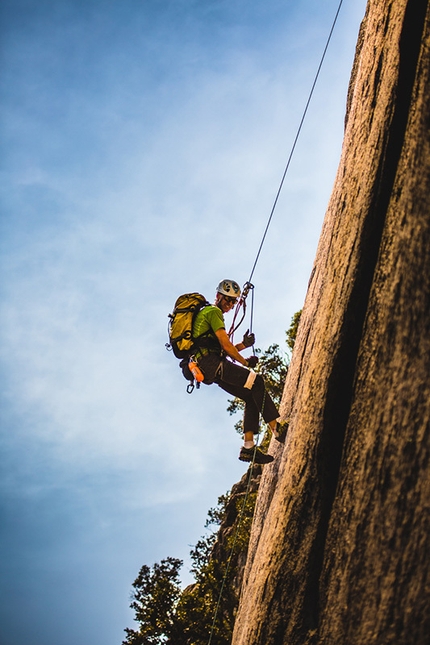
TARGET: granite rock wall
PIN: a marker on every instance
(339, 545)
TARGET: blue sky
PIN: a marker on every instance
(143, 144)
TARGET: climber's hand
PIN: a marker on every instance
(248, 339)
(252, 361)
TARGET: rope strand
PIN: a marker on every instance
(296, 139)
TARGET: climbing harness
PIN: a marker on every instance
(242, 300)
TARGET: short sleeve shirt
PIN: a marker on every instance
(210, 318)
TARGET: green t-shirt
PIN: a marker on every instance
(210, 318)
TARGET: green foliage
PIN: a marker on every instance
(292, 330)
(156, 592)
(245, 509)
(217, 514)
(215, 565)
(168, 615)
(200, 554)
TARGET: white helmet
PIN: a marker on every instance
(229, 288)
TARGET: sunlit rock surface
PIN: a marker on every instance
(339, 549)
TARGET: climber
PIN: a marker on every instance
(238, 380)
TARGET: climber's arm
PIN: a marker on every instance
(230, 349)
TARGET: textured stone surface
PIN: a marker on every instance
(338, 551)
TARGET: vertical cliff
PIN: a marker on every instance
(339, 545)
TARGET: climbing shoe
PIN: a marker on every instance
(247, 454)
(281, 431)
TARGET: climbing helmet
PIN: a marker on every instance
(229, 288)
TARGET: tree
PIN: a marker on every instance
(156, 593)
(292, 330)
(169, 616)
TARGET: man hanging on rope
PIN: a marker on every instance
(238, 380)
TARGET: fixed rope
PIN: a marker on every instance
(295, 140)
(251, 288)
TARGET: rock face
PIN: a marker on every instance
(339, 548)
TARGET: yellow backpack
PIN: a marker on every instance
(181, 323)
